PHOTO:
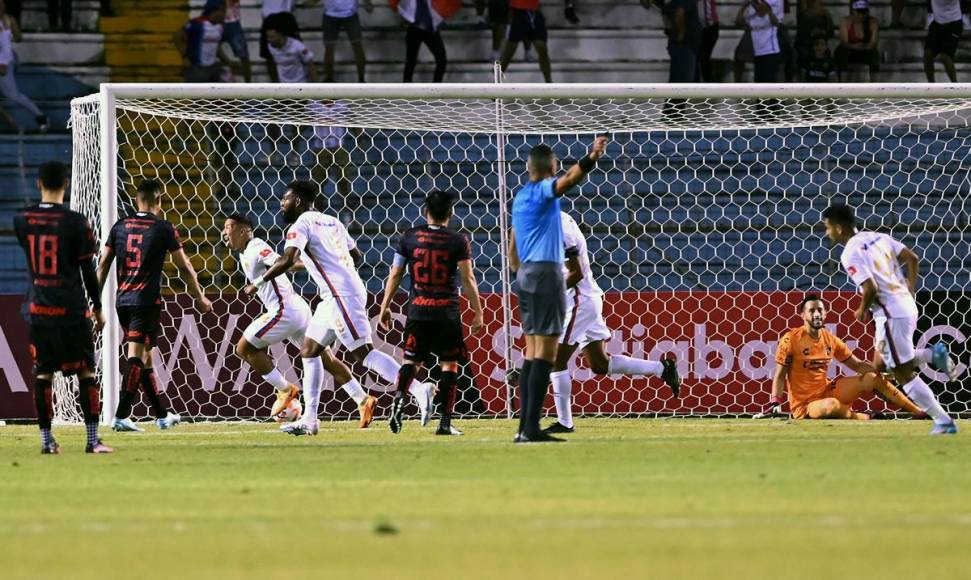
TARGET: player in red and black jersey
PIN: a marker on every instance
(60, 246)
(140, 243)
(435, 256)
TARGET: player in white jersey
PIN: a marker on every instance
(586, 329)
(287, 314)
(330, 255)
(873, 262)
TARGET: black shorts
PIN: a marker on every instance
(944, 38)
(526, 25)
(498, 11)
(542, 298)
(332, 27)
(69, 348)
(284, 22)
(140, 323)
(427, 339)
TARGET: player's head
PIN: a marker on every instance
(298, 198)
(542, 162)
(237, 231)
(275, 38)
(438, 207)
(148, 195)
(840, 222)
(52, 180)
(813, 311)
(215, 10)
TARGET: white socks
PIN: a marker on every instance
(625, 365)
(276, 379)
(923, 397)
(313, 382)
(924, 356)
(562, 395)
(387, 369)
(353, 388)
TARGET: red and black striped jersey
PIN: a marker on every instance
(140, 243)
(432, 255)
(55, 240)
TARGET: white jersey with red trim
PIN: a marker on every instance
(873, 256)
(325, 249)
(254, 261)
(575, 244)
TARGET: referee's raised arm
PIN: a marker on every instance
(584, 166)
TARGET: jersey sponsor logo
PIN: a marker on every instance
(47, 310)
(816, 364)
(431, 302)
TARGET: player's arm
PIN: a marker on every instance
(188, 275)
(514, 262)
(574, 273)
(909, 259)
(89, 278)
(858, 366)
(104, 266)
(576, 173)
(779, 384)
(390, 289)
(283, 263)
(470, 288)
(869, 289)
(357, 256)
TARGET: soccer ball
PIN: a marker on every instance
(290, 413)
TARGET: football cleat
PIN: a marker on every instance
(945, 429)
(941, 361)
(558, 428)
(397, 407)
(283, 399)
(170, 420)
(538, 438)
(447, 430)
(366, 409)
(125, 425)
(98, 447)
(670, 375)
(301, 427)
(52, 449)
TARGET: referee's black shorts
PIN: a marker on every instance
(542, 298)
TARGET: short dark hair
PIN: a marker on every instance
(541, 158)
(305, 190)
(52, 176)
(809, 298)
(241, 219)
(148, 190)
(439, 204)
(840, 214)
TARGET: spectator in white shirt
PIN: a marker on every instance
(234, 36)
(343, 15)
(10, 33)
(277, 14)
(294, 63)
(943, 34)
(762, 17)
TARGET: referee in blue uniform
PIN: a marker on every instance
(536, 253)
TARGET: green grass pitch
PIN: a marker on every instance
(625, 498)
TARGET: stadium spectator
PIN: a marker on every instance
(708, 15)
(743, 54)
(762, 18)
(818, 67)
(527, 24)
(277, 14)
(813, 21)
(294, 64)
(234, 36)
(943, 34)
(497, 20)
(684, 34)
(343, 15)
(859, 35)
(198, 42)
(422, 20)
(9, 34)
(59, 15)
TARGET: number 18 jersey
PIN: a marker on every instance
(432, 255)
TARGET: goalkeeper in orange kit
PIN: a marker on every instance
(802, 363)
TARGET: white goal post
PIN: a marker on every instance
(702, 219)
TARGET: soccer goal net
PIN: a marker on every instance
(702, 221)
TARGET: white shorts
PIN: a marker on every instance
(584, 321)
(289, 322)
(895, 340)
(341, 319)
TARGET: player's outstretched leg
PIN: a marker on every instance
(89, 396)
(164, 417)
(562, 390)
(921, 394)
(129, 390)
(388, 369)
(406, 375)
(448, 387)
(44, 403)
(941, 361)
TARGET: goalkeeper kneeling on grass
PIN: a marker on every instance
(802, 363)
